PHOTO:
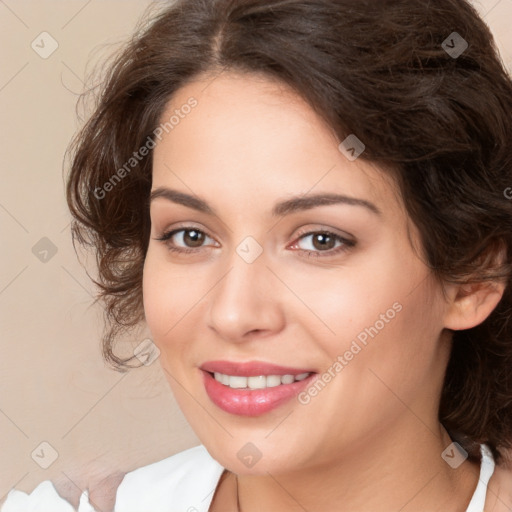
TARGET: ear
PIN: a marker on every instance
(470, 304)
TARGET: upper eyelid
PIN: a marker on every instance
(173, 231)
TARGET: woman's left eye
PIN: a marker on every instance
(324, 242)
(192, 239)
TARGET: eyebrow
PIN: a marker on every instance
(295, 204)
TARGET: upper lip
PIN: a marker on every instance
(251, 368)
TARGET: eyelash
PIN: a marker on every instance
(347, 244)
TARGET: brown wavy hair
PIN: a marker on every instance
(440, 123)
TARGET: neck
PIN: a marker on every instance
(384, 474)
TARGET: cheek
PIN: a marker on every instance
(336, 307)
(384, 354)
(160, 298)
(151, 293)
(382, 315)
(392, 349)
(172, 298)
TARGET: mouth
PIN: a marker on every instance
(257, 381)
(253, 388)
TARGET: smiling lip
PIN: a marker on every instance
(251, 402)
(250, 369)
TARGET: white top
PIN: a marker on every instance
(184, 482)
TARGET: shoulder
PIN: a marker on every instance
(185, 481)
(43, 498)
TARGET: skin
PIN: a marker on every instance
(370, 440)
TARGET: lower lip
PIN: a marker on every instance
(247, 402)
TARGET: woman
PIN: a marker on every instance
(305, 201)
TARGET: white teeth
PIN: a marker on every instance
(257, 382)
(273, 381)
(237, 382)
(287, 379)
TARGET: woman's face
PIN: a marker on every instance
(333, 288)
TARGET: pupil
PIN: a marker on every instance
(323, 238)
(196, 238)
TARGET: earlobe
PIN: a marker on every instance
(470, 304)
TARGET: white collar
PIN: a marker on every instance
(477, 503)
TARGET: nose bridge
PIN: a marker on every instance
(241, 301)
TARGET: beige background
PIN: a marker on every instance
(54, 387)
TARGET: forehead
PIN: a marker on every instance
(254, 134)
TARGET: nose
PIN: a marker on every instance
(246, 303)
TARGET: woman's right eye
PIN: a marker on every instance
(191, 237)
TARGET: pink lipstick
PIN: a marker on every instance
(253, 388)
